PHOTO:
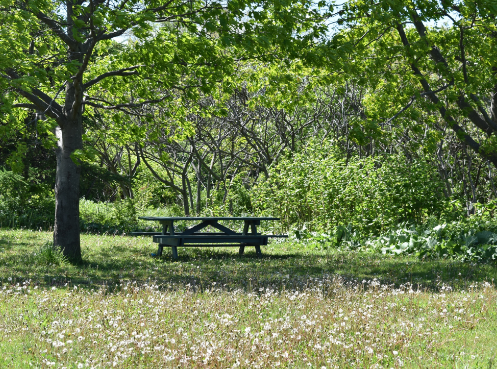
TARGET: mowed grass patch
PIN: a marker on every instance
(212, 308)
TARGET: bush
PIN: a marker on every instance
(320, 189)
(471, 239)
(101, 217)
(21, 207)
(119, 216)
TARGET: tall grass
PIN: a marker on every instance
(327, 323)
(294, 308)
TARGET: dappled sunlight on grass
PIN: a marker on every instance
(108, 259)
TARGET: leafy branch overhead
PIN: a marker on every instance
(48, 44)
(430, 57)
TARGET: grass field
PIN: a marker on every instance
(293, 308)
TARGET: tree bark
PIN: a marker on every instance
(66, 229)
(69, 135)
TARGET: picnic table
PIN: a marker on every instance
(195, 237)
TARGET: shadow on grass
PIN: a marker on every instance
(7, 244)
(290, 268)
(4, 243)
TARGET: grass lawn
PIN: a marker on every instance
(292, 308)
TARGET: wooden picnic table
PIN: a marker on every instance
(193, 237)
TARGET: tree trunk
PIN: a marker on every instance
(199, 188)
(66, 230)
(69, 135)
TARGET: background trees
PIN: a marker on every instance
(429, 58)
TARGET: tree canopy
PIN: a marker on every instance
(422, 58)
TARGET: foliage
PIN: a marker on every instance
(471, 239)
(322, 189)
(468, 240)
(433, 76)
(120, 217)
(13, 185)
(23, 204)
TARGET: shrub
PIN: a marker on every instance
(21, 207)
(322, 189)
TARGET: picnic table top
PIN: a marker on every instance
(207, 218)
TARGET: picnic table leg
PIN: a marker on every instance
(258, 250)
(161, 246)
(173, 248)
(253, 229)
(241, 250)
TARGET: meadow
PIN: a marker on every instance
(295, 307)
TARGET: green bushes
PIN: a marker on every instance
(106, 217)
(320, 189)
(118, 217)
(24, 204)
(467, 239)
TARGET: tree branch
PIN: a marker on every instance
(39, 99)
(119, 106)
(437, 57)
(121, 72)
(110, 36)
(157, 176)
(460, 132)
(54, 26)
(28, 106)
(160, 8)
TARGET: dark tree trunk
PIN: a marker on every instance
(70, 138)
(66, 230)
(199, 188)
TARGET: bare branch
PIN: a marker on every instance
(24, 105)
(54, 26)
(157, 176)
(121, 72)
(119, 106)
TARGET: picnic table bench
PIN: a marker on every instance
(193, 237)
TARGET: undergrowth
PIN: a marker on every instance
(470, 239)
